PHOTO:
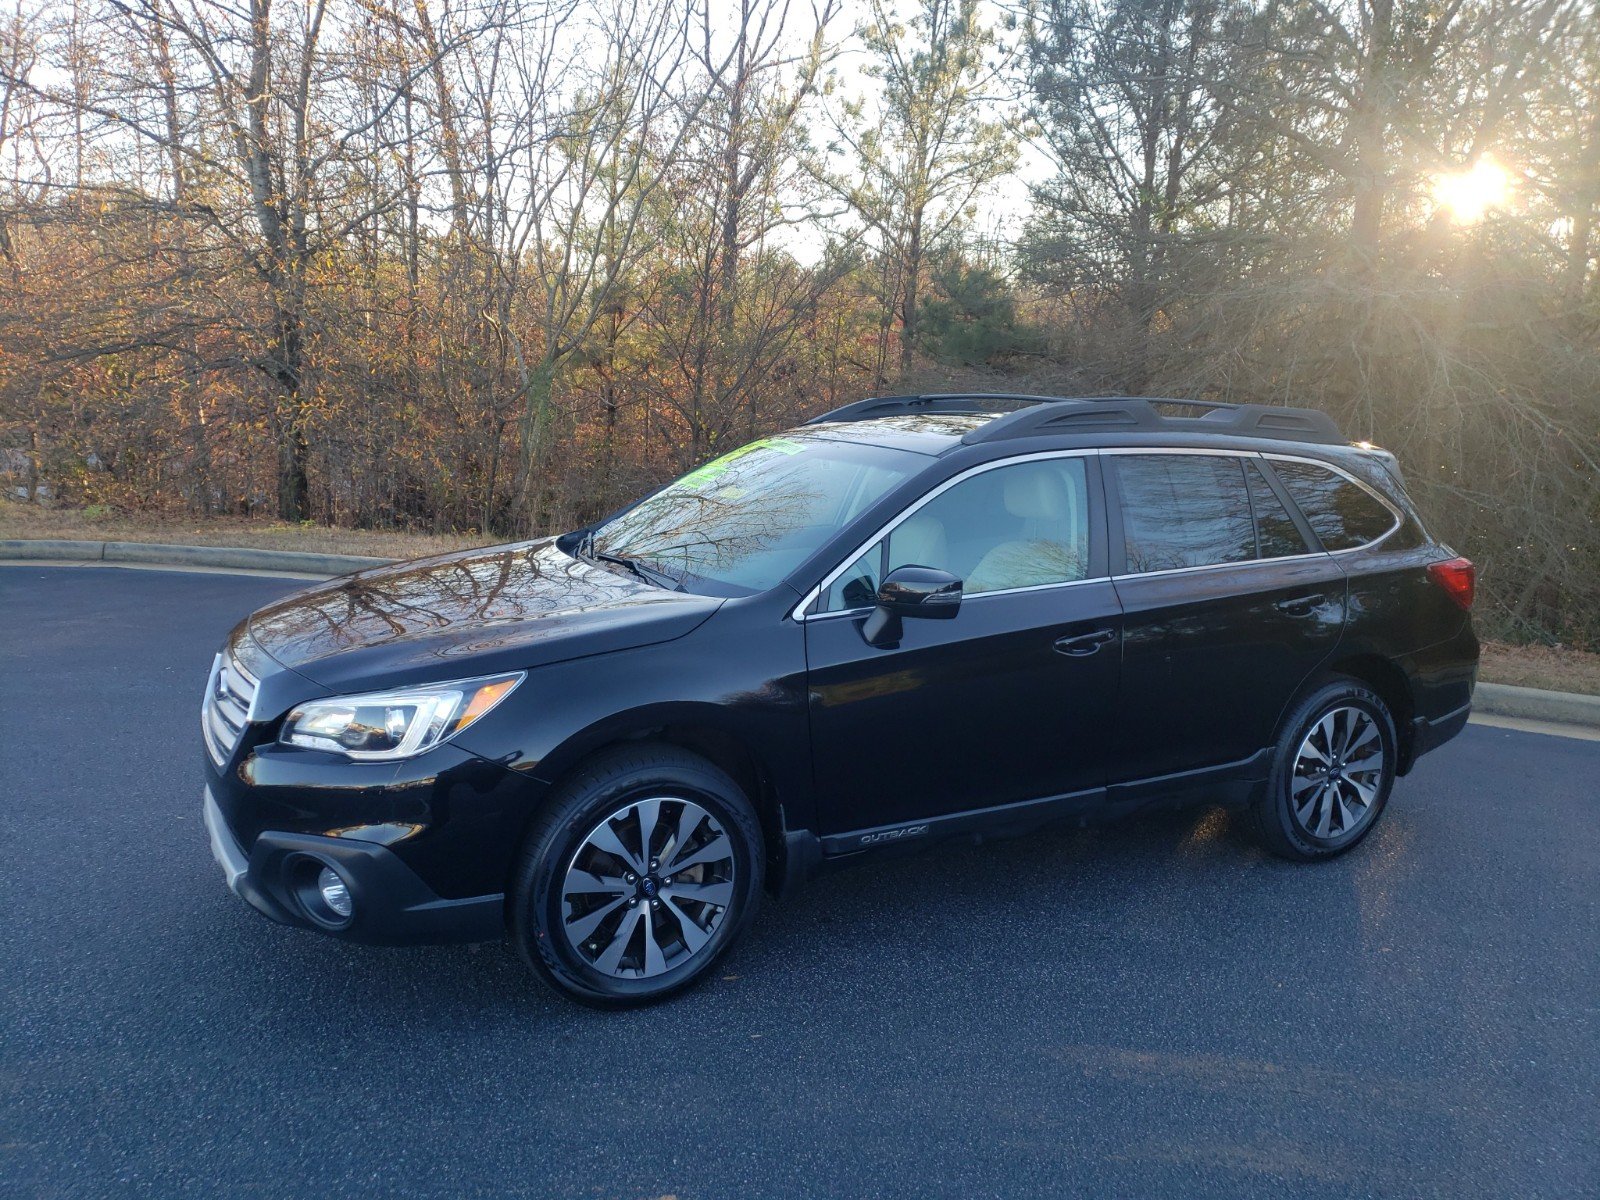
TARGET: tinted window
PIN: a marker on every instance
(1277, 536)
(743, 521)
(1018, 526)
(1408, 537)
(1343, 515)
(1183, 510)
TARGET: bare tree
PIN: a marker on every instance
(738, 299)
(275, 88)
(597, 122)
(930, 145)
(1134, 102)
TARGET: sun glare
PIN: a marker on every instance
(1469, 195)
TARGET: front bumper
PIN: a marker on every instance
(392, 906)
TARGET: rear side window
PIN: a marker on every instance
(1408, 537)
(1276, 533)
(1343, 514)
(1183, 510)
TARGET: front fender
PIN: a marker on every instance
(748, 690)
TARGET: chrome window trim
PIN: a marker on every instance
(798, 612)
(1266, 455)
(967, 598)
(1308, 556)
(1219, 452)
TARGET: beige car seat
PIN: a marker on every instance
(1050, 549)
(919, 540)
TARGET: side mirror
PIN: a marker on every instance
(911, 591)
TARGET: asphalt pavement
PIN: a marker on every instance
(1151, 1008)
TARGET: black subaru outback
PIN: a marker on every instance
(912, 618)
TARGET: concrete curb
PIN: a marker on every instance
(1536, 704)
(292, 561)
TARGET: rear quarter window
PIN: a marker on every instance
(1343, 514)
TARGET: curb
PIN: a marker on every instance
(1536, 704)
(292, 561)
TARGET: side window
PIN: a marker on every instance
(1343, 515)
(1408, 537)
(857, 587)
(1277, 536)
(1183, 510)
(1021, 525)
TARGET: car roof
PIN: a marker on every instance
(1004, 424)
(922, 433)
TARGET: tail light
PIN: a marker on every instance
(1458, 577)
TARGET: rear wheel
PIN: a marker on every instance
(1331, 775)
(641, 872)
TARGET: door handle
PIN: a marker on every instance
(1083, 644)
(1298, 606)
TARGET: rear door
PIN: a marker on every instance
(1227, 608)
(1011, 700)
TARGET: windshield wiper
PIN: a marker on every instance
(651, 575)
(654, 576)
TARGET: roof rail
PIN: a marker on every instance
(1042, 415)
(1139, 414)
(941, 402)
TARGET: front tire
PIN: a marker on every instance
(1331, 775)
(640, 873)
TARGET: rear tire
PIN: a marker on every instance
(1331, 774)
(639, 874)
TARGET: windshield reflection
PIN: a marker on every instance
(745, 520)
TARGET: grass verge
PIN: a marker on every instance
(30, 521)
(1554, 668)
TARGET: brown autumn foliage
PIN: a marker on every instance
(497, 266)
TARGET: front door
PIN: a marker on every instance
(1012, 699)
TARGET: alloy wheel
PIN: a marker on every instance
(1338, 774)
(648, 887)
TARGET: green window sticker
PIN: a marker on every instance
(717, 466)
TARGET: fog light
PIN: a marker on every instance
(334, 893)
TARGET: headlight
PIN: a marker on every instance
(395, 724)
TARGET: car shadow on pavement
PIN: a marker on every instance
(888, 908)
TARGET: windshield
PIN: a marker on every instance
(742, 522)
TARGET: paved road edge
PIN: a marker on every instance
(1491, 699)
(152, 553)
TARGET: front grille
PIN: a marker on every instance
(226, 710)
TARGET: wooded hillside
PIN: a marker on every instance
(499, 265)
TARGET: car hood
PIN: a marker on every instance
(502, 608)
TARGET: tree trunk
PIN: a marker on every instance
(286, 369)
(908, 294)
(537, 422)
(1579, 252)
(1369, 122)
(193, 385)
